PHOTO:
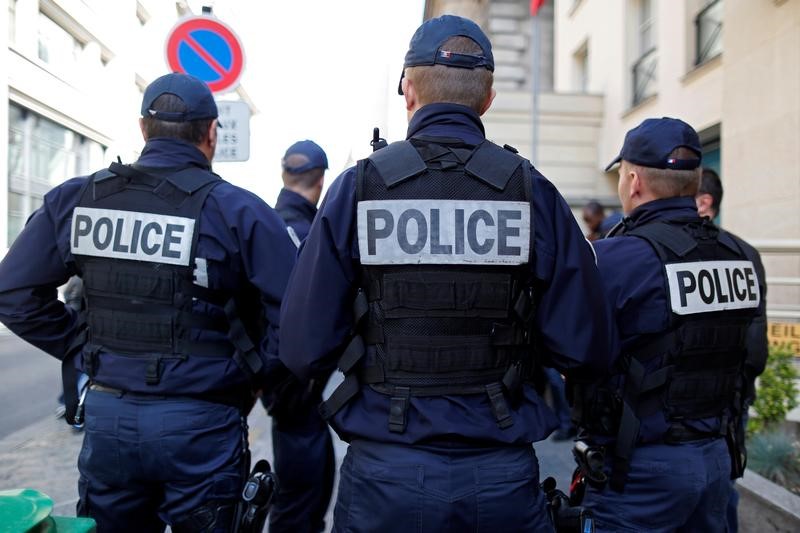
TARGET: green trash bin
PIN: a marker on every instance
(28, 510)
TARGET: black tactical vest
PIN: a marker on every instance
(445, 303)
(134, 238)
(713, 294)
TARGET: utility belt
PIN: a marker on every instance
(231, 399)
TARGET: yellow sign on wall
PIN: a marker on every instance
(784, 334)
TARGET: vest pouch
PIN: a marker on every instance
(131, 332)
(142, 283)
(694, 394)
(412, 294)
(444, 354)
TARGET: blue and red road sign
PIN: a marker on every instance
(207, 49)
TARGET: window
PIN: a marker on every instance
(645, 67)
(708, 29)
(57, 47)
(580, 62)
(141, 14)
(41, 154)
(12, 21)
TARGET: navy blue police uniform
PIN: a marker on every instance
(686, 295)
(183, 277)
(296, 211)
(302, 443)
(434, 272)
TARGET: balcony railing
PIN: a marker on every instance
(644, 76)
(708, 29)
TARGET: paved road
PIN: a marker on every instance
(30, 382)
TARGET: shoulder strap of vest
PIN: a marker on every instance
(103, 174)
(492, 164)
(729, 242)
(173, 188)
(192, 179)
(397, 162)
(662, 235)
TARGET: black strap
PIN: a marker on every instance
(398, 409)
(348, 363)
(343, 394)
(352, 354)
(69, 376)
(626, 440)
(246, 355)
(502, 413)
(493, 165)
(669, 236)
(360, 307)
(637, 382)
(398, 162)
(173, 188)
(152, 371)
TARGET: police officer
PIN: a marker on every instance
(183, 277)
(708, 200)
(302, 444)
(439, 273)
(686, 294)
(304, 166)
(709, 194)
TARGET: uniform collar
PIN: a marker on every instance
(171, 153)
(447, 120)
(291, 200)
(662, 209)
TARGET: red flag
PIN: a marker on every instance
(535, 5)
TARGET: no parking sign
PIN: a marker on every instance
(207, 49)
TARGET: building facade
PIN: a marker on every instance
(77, 70)
(730, 68)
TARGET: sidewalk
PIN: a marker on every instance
(44, 456)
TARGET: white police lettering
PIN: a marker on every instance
(708, 286)
(131, 235)
(443, 232)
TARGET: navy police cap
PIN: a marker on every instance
(311, 150)
(425, 47)
(650, 143)
(194, 93)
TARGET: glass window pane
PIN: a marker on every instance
(709, 31)
(16, 134)
(53, 155)
(57, 46)
(16, 215)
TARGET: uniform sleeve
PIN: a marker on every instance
(267, 255)
(35, 266)
(577, 333)
(316, 316)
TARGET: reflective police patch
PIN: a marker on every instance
(708, 286)
(131, 235)
(443, 232)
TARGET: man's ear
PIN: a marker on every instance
(410, 94)
(141, 127)
(637, 185)
(703, 202)
(209, 145)
(212, 132)
(488, 103)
